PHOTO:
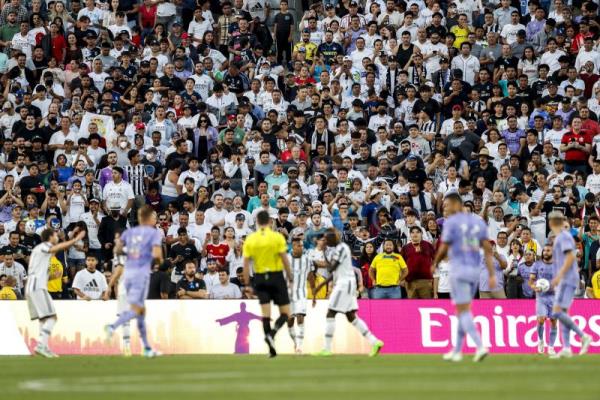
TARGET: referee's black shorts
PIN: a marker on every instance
(271, 286)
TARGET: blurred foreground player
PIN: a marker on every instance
(463, 235)
(344, 294)
(302, 271)
(143, 247)
(565, 282)
(118, 280)
(36, 291)
(267, 251)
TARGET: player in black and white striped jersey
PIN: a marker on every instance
(302, 271)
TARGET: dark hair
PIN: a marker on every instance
(263, 218)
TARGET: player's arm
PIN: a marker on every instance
(286, 265)
(116, 275)
(489, 263)
(200, 294)
(569, 260)
(440, 255)
(531, 282)
(157, 254)
(65, 245)
(247, 289)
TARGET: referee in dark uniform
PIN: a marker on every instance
(267, 250)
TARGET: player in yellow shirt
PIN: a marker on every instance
(55, 285)
(593, 291)
(461, 31)
(387, 270)
(305, 46)
(7, 292)
(267, 250)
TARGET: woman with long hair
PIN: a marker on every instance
(368, 254)
(515, 256)
(73, 51)
(528, 64)
(169, 187)
(496, 97)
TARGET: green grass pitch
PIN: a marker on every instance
(505, 377)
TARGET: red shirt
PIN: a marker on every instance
(590, 127)
(218, 252)
(418, 262)
(576, 155)
(59, 44)
(148, 16)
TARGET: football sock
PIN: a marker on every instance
(460, 337)
(46, 330)
(565, 333)
(468, 325)
(568, 323)
(141, 324)
(540, 332)
(329, 329)
(292, 332)
(126, 333)
(280, 322)
(125, 316)
(553, 332)
(266, 325)
(300, 335)
(362, 327)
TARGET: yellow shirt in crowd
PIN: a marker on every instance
(55, 285)
(388, 268)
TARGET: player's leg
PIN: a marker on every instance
(43, 309)
(364, 330)
(329, 331)
(560, 311)
(540, 331)
(299, 332)
(282, 299)
(462, 295)
(291, 328)
(552, 337)
(284, 314)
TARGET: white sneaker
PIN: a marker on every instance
(540, 347)
(551, 351)
(481, 354)
(453, 356)
(44, 351)
(564, 353)
(586, 340)
(150, 353)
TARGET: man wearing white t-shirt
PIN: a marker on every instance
(118, 192)
(509, 31)
(23, 40)
(199, 177)
(593, 180)
(89, 283)
(215, 216)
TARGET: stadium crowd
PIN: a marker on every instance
(358, 116)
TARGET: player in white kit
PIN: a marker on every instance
(302, 271)
(344, 295)
(36, 291)
(118, 279)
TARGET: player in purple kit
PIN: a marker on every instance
(544, 269)
(143, 246)
(566, 279)
(463, 235)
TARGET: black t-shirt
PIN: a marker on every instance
(235, 83)
(187, 252)
(284, 24)
(29, 182)
(431, 107)
(506, 62)
(194, 285)
(485, 90)
(562, 206)
(29, 134)
(160, 283)
(404, 55)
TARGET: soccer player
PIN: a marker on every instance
(302, 272)
(36, 291)
(267, 250)
(344, 294)
(118, 278)
(565, 282)
(463, 235)
(143, 246)
(544, 269)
